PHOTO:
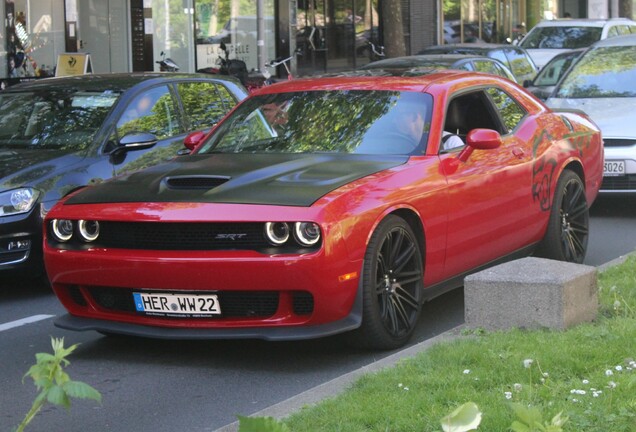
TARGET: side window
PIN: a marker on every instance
(511, 112)
(464, 113)
(623, 30)
(501, 56)
(485, 67)
(203, 103)
(519, 64)
(613, 31)
(153, 111)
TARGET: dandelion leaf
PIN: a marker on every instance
(465, 418)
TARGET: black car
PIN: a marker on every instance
(467, 62)
(515, 57)
(58, 135)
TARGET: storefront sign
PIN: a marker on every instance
(73, 64)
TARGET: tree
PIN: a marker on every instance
(393, 28)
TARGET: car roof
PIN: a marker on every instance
(113, 82)
(627, 40)
(581, 22)
(417, 60)
(373, 79)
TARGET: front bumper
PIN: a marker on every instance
(622, 154)
(21, 242)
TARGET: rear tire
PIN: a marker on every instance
(392, 286)
(568, 227)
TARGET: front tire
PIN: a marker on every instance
(568, 227)
(392, 285)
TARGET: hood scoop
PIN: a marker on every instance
(195, 182)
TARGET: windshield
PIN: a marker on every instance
(338, 121)
(53, 119)
(602, 72)
(561, 37)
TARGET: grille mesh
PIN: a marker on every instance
(182, 236)
(626, 182)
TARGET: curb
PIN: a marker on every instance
(339, 384)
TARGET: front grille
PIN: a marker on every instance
(198, 182)
(234, 304)
(618, 142)
(626, 182)
(182, 236)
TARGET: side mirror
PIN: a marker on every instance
(480, 139)
(194, 139)
(527, 83)
(137, 141)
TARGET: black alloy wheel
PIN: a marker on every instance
(568, 229)
(393, 285)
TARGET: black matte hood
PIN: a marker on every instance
(277, 179)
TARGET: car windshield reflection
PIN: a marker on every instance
(53, 119)
(355, 121)
(604, 72)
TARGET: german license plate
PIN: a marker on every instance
(177, 304)
(613, 168)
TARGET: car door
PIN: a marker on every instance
(155, 111)
(490, 193)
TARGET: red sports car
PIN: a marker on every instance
(326, 205)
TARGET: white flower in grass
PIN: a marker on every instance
(617, 305)
(545, 374)
(508, 395)
(466, 371)
(400, 385)
(609, 372)
(586, 381)
(575, 400)
(619, 368)
(406, 389)
(517, 387)
(527, 363)
(611, 385)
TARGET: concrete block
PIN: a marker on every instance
(531, 293)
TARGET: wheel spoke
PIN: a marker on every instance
(397, 238)
(403, 296)
(404, 258)
(401, 316)
(406, 278)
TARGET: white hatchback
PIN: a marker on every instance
(603, 84)
(551, 37)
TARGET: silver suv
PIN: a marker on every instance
(549, 38)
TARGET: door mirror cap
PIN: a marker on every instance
(480, 139)
(137, 141)
(194, 139)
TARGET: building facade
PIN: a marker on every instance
(320, 35)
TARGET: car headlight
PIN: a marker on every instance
(62, 229)
(277, 233)
(307, 233)
(18, 201)
(89, 230)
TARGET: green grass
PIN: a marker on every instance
(488, 369)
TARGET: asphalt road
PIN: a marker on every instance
(150, 385)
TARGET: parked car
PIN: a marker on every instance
(327, 205)
(61, 134)
(543, 84)
(603, 84)
(444, 61)
(551, 37)
(514, 57)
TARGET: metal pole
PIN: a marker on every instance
(260, 36)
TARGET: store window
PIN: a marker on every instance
(473, 21)
(234, 23)
(33, 33)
